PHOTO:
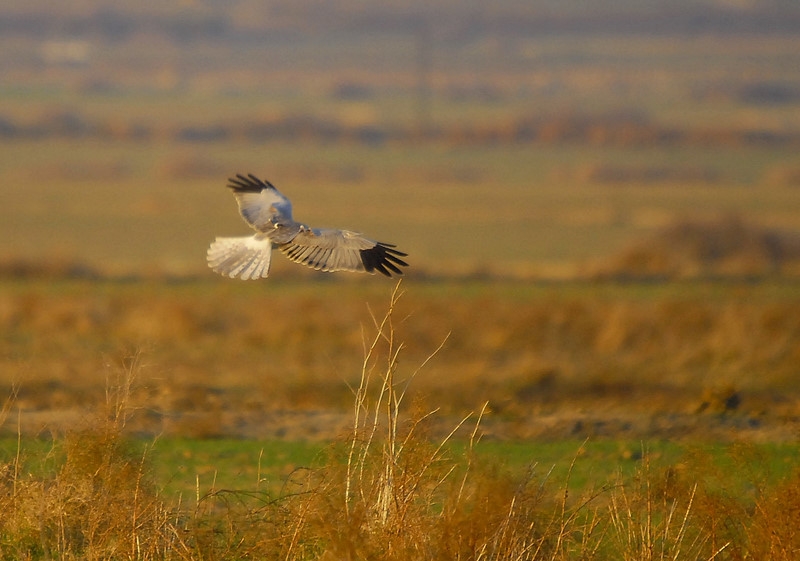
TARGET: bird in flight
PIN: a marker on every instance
(269, 213)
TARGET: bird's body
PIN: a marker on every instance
(268, 212)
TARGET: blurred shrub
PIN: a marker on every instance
(725, 247)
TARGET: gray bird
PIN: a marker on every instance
(269, 213)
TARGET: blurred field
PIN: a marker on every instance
(519, 211)
(526, 157)
(714, 360)
(532, 140)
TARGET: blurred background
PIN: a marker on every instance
(532, 139)
(550, 167)
(600, 202)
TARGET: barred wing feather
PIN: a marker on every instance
(342, 250)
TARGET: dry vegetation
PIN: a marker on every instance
(726, 247)
(707, 359)
(389, 491)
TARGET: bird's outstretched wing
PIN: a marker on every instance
(260, 203)
(341, 250)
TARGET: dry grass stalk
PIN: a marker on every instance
(99, 504)
(648, 525)
(394, 494)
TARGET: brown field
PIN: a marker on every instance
(279, 359)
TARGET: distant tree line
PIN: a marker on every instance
(457, 21)
(617, 130)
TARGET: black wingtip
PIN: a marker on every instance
(248, 184)
(384, 259)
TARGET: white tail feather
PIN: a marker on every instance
(246, 258)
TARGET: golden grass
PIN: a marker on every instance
(552, 360)
(98, 503)
(388, 490)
